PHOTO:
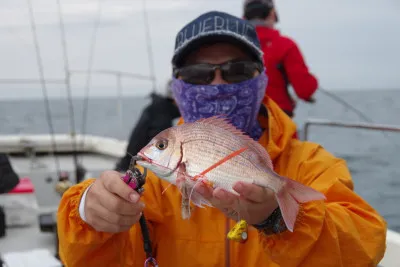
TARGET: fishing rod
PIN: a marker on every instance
(92, 47)
(39, 62)
(355, 110)
(69, 92)
(149, 46)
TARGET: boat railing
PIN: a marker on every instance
(117, 74)
(357, 125)
(392, 237)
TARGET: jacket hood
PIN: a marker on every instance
(280, 129)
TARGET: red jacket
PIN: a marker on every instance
(282, 51)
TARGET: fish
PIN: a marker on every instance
(213, 151)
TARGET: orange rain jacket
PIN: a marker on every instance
(342, 231)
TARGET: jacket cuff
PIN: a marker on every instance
(75, 196)
(274, 224)
(82, 204)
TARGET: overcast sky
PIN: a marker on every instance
(347, 44)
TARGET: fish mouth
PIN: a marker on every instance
(143, 158)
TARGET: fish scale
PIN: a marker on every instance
(209, 135)
(222, 149)
(200, 140)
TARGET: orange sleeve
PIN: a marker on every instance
(342, 231)
(81, 245)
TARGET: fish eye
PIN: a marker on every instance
(162, 144)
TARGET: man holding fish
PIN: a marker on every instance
(232, 157)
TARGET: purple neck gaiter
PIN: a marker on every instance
(240, 102)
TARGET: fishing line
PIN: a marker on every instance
(356, 111)
(346, 104)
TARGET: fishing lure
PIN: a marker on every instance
(239, 232)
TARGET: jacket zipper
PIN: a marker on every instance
(227, 245)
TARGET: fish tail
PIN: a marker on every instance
(289, 194)
(186, 211)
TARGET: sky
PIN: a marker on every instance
(346, 44)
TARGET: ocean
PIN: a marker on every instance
(372, 156)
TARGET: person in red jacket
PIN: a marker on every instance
(282, 57)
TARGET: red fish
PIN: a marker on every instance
(215, 152)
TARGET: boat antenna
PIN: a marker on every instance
(149, 47)
(68, 89)
(355, 110)
(89, 72)
(43, 84)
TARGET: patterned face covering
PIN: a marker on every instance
(239, 101)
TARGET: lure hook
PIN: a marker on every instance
(133, 177)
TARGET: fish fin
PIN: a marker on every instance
(223, 122)
(181, 175)
(198, 200)
(184, 184)
(181, 183)
(185, 204)
(290, 195)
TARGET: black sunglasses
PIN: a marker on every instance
(232, 72)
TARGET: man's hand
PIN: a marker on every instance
(111, 205)
(255, 204)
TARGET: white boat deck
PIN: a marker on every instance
(26, 239)
(44, 175)
(29, 238)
